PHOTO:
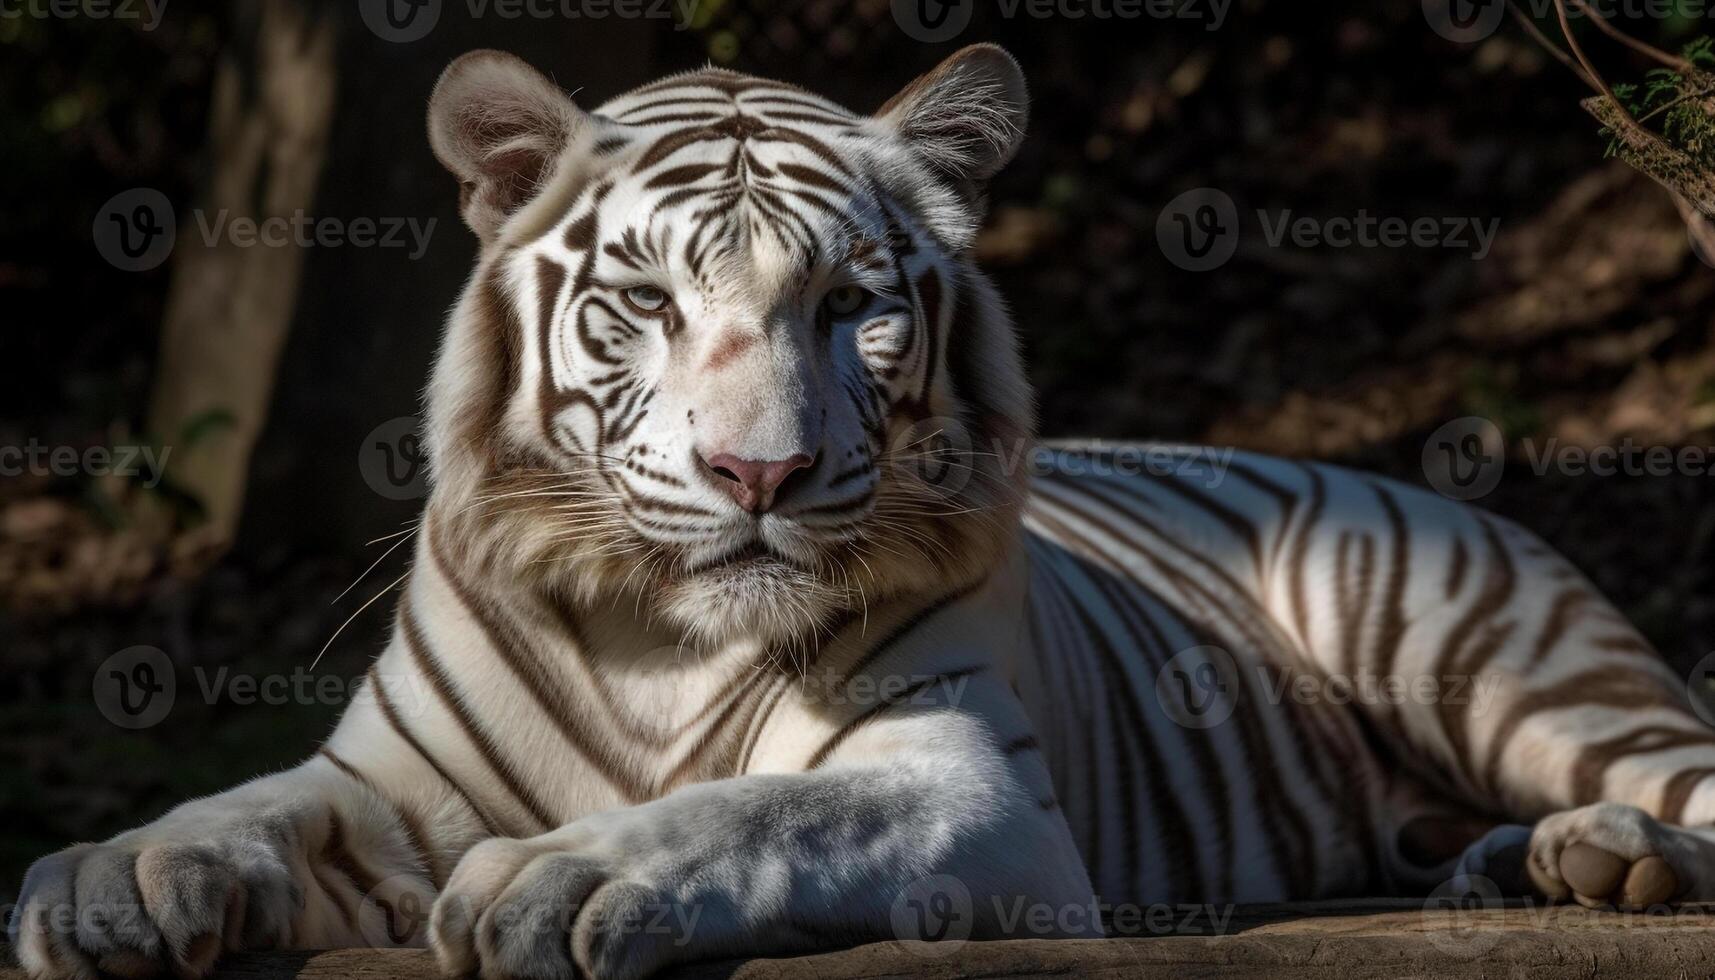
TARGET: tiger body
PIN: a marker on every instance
(738, 621)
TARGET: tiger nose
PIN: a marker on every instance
(755, 483)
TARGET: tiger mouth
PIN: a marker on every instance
(753, 554)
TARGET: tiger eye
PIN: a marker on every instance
(845, 300)
(646, 299)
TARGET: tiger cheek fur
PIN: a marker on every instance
(735, 628)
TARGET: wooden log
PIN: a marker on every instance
(1349, 940)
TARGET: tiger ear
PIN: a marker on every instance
(499, 125)
(967, 117)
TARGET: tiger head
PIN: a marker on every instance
(725, 348)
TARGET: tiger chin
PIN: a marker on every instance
(745, 620)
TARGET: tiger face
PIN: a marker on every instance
(724, 347)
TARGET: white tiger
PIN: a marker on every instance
(735, 614)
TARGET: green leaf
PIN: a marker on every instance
(205, 424)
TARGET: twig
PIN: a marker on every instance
(1548, 44)
(1643, 48)
(1590, 69)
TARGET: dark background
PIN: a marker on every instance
(1590, 322)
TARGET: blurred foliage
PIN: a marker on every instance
(1680, 99)
(93, 107)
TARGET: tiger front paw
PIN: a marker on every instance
(142, 908)
(556, 907)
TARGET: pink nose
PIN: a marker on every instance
(754, 483)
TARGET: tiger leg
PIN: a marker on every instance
(1589, 739)
(902, 819)
(1516, 687)
(308, 858)
(1591, 736)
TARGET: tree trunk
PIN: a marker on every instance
(229, 306)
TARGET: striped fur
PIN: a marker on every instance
(614, 696)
